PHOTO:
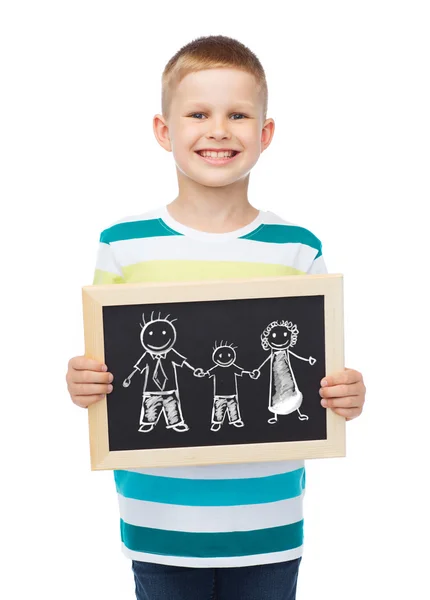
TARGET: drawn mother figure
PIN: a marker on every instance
(284, 395)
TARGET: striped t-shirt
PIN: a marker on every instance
(219, 515)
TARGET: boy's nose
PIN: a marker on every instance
(219, 136)
(219, 130)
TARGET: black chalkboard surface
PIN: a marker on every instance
(216, 371)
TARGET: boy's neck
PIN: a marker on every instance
(213, 210)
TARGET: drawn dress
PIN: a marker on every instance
(285, 396)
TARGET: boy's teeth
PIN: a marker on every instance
(216, 154)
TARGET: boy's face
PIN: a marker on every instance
(215, 108)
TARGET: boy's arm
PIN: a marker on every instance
(88, 381)
(107, 269)
(318, 266)
(344, 391)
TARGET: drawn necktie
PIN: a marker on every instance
(159, 376)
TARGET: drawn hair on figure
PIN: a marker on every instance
(223, 344)
(291, 327)
(152, 319)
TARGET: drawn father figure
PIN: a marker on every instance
(158, 363)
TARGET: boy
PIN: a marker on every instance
(238, 529)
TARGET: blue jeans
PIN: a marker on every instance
(276, 581)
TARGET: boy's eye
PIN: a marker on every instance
(234, 114)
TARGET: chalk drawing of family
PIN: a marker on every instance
(160, 359)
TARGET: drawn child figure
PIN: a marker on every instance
(159, 362)
(284, 394)
(226, 397)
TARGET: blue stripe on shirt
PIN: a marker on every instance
(210, 492)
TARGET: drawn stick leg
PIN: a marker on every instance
(173, 412)
(302, 417)
(273, 419)
(234, 412)
(219, 410)
(152, 407)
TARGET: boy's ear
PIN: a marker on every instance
(267, 134)
(161, 132)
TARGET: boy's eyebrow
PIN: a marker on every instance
(201, 104)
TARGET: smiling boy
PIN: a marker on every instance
(229, 532)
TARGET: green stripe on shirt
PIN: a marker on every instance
(284, 234)
(204, 545)
(136, 230)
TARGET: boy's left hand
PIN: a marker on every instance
(344, 392)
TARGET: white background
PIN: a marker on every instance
(349, 92)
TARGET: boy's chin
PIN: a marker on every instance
(213, 180)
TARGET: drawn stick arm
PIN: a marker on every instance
(187, 364)
(264, 362)
(309, 359)
(240, 371)
(127, 380)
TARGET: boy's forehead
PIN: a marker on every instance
(213, 86)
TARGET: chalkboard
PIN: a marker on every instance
(215, 372)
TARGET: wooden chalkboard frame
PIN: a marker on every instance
(95, 297)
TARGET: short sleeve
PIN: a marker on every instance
(141, 363)
(318, 266)
(177, 358)
(107, 269)
(213, 371)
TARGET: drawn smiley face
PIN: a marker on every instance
(279, 338)
(224, 356)
(158, 336)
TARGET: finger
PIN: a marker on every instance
(86, 401)
(337, 391)
(349, 414)
(82, 363)
(344, 402)
(346, 377)
(90, 389)
(91, 377)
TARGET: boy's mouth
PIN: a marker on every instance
(217, 158)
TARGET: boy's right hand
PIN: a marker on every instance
(87, 381)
